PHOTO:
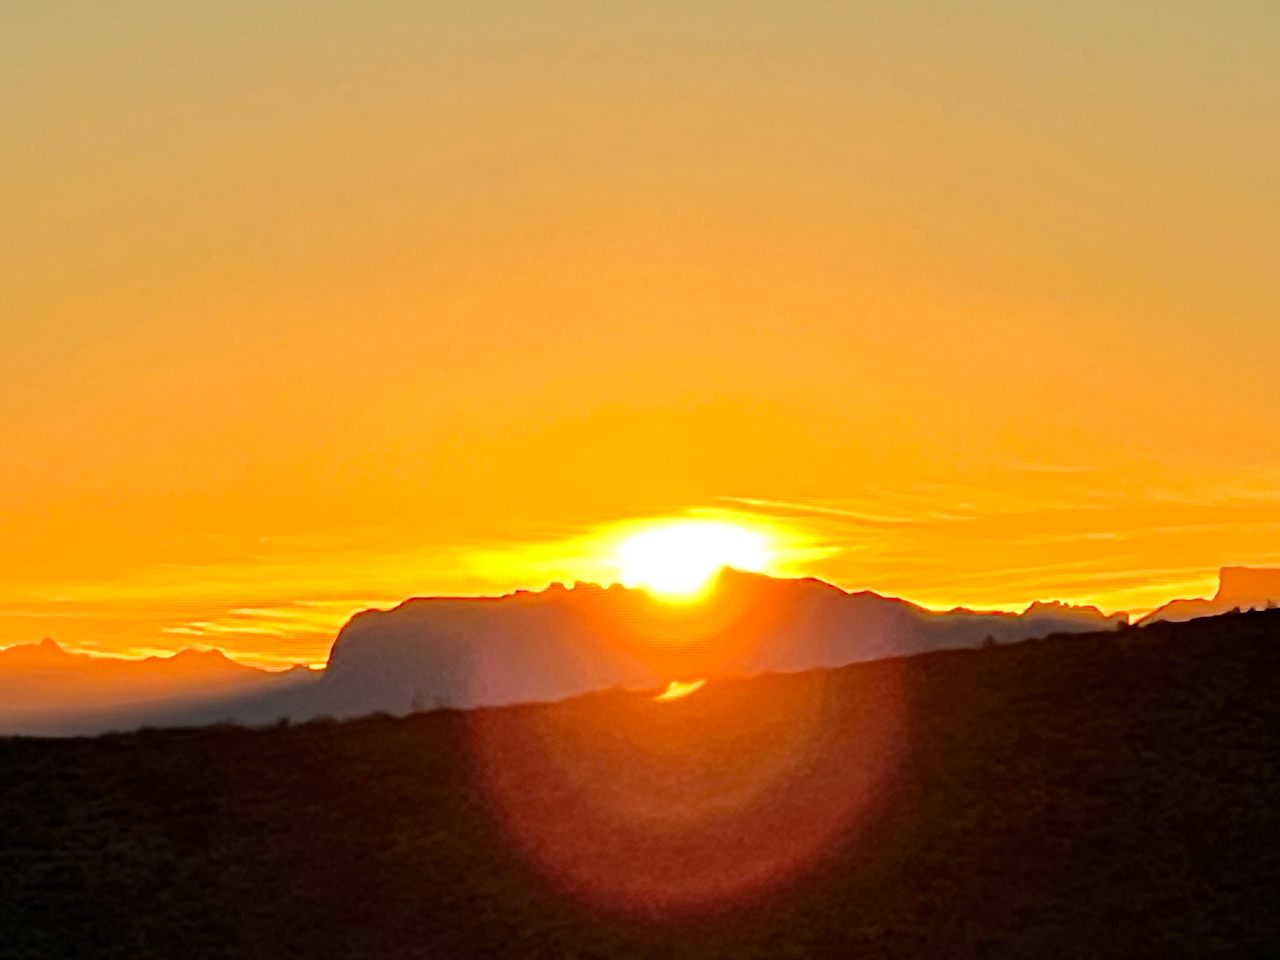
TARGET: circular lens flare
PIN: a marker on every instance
(684, 805)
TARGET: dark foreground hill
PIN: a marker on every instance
(1109, 795)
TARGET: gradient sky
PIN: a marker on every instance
(306, 306)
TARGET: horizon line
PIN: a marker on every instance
(1132, 616)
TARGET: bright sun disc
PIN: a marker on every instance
(677, 560)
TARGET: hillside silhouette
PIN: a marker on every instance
(1099, 795)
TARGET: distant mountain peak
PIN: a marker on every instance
(1060, 608)
(1249, 588)
(193, 654)
(190, 659)
(46, 650)
(1249, 584)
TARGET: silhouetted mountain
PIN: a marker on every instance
(1103, 796)
(525, 647)
(1244, 588)
(534, 646)
(45, 689)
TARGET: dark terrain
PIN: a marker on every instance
(1105, 795)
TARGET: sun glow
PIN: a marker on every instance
(677, 560)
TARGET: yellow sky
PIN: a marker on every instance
(304, 307)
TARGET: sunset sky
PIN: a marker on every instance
(308, 306)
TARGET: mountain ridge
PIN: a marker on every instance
(539, 645)
(534, 646)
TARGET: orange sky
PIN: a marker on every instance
(305, 307)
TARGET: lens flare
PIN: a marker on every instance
(677, 689)
(682, 806)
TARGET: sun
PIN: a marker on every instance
(676, 560)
